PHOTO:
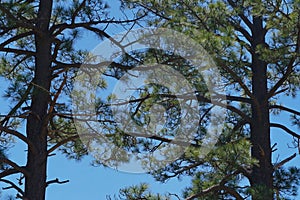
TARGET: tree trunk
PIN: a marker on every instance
(262, 175)
(35, 182)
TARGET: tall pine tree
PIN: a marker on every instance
(38, 60)
(256, 46)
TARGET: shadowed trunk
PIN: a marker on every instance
(35, 183)
(261, 177)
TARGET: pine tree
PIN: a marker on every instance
(38, 60)
(255, 45)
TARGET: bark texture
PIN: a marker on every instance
(262, 175)
(35, 182)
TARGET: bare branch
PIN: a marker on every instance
(285, 109)
(56, 181)
(59, 28)
(15, 166)
(294, 134)
(281, 163)
(185, 168)
(12, 186)
(17, 51)
(233, 98)
(175, 195)
(64, 141)
(200, 98)
(153, 11)
(8, 172)
(20, 136)
(243, 31)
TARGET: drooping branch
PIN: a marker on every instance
(239, 81)
(62, 142)
(289, 131)
(12, 186)
(18, 105)
(14, 165)
(15, 38)
(8, 172)
(20, 136)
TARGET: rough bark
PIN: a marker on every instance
(261, 176)
(35, 182)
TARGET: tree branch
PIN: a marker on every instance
(281, 163)
(74, 15)
(20, 136)
(17, 51)
(12, 186)
(289, 67)
(8, 172)
(21, 22)
(214, 188)
(15, 38)
(200, 98)
(15, 166)
(59, 28)
(294, 134)
(285, 109)
(56, 181)
(64, 141)
(238, 80)
(220, 186)
(242, 16)
(18, 105)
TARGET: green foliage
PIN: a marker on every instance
(225, 29)
(286, 182)
(138, 192)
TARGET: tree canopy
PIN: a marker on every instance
(254, 46)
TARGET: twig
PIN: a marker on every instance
(56, 181)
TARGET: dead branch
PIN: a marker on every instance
(281, 163)
(56, 181)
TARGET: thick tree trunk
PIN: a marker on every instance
(35, 183)
(262, 175)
